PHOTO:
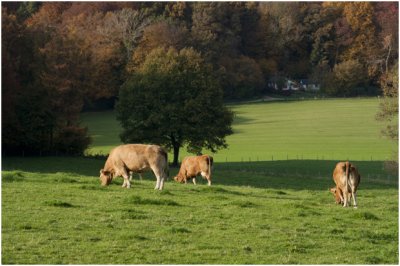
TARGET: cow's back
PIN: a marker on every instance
(194, 165)
(205, 163)
(190, 166)
(339, 175)
(354, 177)
(137, 157)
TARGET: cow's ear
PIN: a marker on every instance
(333, 190)
(101, 171)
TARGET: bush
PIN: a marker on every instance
(72, 140)
(242, 78)
(348, 75)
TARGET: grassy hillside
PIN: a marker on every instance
(335, 129)
(55, 212)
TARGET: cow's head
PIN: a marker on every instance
(105, 177)
(179, 179)
(336, 194)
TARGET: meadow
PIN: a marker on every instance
(334, 129)
(54, 210)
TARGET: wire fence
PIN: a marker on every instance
(291, 157)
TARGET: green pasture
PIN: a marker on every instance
(54, 211)
(258, 210)
(333, 129)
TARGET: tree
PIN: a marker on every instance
(127, 25)
(45, 85)
(174, 100)
(161, 34)
(389, 112)
(216, 29)
(241, 77)
(389, 108)
(348, 75)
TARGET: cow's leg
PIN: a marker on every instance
(158, 182)
(194, 180)
(160, 179)
(341, 196)
(353, 194)
(340, 192)
(126, 183)
(345, 199)
(206, 176)
(162, 183)
(130, 176)
(140, 176)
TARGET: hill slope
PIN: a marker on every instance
(335, 129)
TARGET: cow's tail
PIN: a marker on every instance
(166, 167)
(347, 175)
(209, 165)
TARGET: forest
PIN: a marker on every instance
(62, 58)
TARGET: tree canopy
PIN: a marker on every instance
(59, 58)
(174, 100)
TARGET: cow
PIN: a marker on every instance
(192, 166)
(136, 158)
(131, 176)
(337, 194)
(347, 179)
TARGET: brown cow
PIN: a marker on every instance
(192, 166)
(347, 179)
(135, 158)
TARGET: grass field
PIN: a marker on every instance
(334, 129)
(54, 210)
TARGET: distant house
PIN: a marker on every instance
(309, 86)
(294, 85)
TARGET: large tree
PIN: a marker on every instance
(174, 100)
(389, 107)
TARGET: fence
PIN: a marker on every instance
(289, 157)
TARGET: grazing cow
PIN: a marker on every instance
(192, 166)
(347, 179)
(131, 176)
(135, 158)
(337, 194)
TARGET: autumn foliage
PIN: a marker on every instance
(59, 58)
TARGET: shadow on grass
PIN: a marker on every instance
(298, 174)
(290, 174)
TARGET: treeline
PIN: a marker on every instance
(59, 57)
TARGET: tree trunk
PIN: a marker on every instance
(176, 155)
